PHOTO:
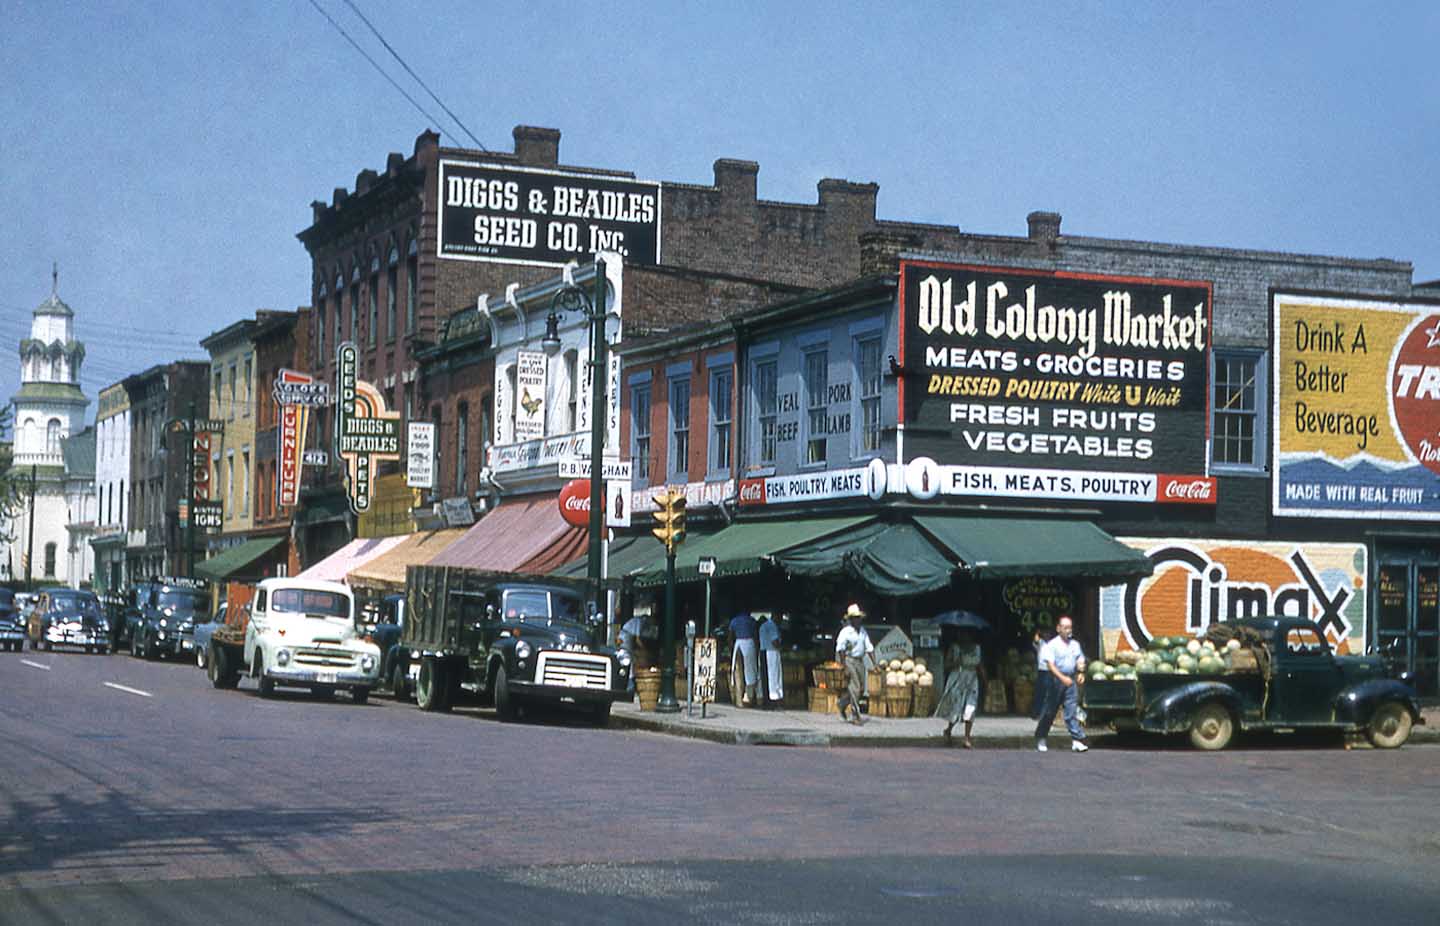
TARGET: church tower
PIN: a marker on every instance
(47, 411)
(50, 405)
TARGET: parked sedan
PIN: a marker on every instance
(12, 625)
(68, 617)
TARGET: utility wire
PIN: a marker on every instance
(408, 70)
(375, 64)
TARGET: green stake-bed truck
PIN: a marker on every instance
(507, 640)
(1296, 684)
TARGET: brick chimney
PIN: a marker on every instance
(1044, 227)
(537, 147)
(736, 179)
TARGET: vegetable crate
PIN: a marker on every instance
(830, 676)
(824, 700)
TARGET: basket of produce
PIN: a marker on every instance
(647, 688)
(824, 700)
(829, 675)
(875, 682)
(792, 674)
(897, 701)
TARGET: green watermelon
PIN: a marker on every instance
(1165, 668)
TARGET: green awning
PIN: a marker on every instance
(744, 547)
(894, 560)
(633, 554)
(236, 560)
(1006, 548)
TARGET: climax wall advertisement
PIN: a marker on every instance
(1357, 408)
(1199, 582)
(1016, 379)
(542, 217)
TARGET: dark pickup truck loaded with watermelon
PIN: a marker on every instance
(1272, 673)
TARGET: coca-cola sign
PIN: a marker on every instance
(575, 502)
(752, 491)
(1186, 490)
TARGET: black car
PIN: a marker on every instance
(68, 617)
(169, 609)
(12, 625)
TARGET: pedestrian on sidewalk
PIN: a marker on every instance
(770, 649)
(853, 650)
(633, 636)
(1063, 659)
(1043, 678)
(744, 631)
(964, 674)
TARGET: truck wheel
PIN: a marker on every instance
(200, 652)
(216, 669)
(505, 707)
(267, 684)
(399, 690)
(432, 689)
(1390, 726)
(1212, 727)
(360, 695)
(600, 714)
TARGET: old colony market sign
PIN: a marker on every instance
(1034, 384)
(364, 431)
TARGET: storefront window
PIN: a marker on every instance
(817, 380)
(1237, 439)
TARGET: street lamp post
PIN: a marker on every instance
(573, 298)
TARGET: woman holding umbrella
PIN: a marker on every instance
(964, 672)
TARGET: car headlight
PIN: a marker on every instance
(104, 626)
(160, 635)
(522, 650)
(622, 657)
(282, 657)
(164, 623)
(367, 663)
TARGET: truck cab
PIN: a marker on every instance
(304, 634)
(168, 610)
(509, 641)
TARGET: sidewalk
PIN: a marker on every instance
(726, 723)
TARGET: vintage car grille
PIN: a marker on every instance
(325, 658)
(573, 670)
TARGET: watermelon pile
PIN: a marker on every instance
(1167, 656)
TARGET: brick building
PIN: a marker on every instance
(155, 542)
(281, 342)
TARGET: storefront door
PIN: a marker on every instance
(1407, 618)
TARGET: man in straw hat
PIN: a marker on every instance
(853, 649)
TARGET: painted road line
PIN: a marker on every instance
(37, 665)
(134, 691)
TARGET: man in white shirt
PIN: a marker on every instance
(1064, 660)
(852, 649)
(770, 649)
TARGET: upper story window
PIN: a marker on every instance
(52, 436)
(640, 429)
(1237, 440)
(679, 426)
(572, 389)
(234, 383)
(355, 314)
(462, 446)
(767, 403)
(374, 323)
(412, 287)
(867, 368)
(817, 381)
(249, 393)
(392, 280)
(721, 413)
(339, 321)
(320, 329)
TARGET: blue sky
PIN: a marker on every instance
(165, 154)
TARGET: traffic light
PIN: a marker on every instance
(670, 516)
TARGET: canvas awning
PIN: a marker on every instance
(388, 569)
(636, 553)
(238, 559)
(1006, 548)
(744, 547)
(893, 559)
(523, 535)
(354, 554)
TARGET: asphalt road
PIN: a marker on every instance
(164, 800)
